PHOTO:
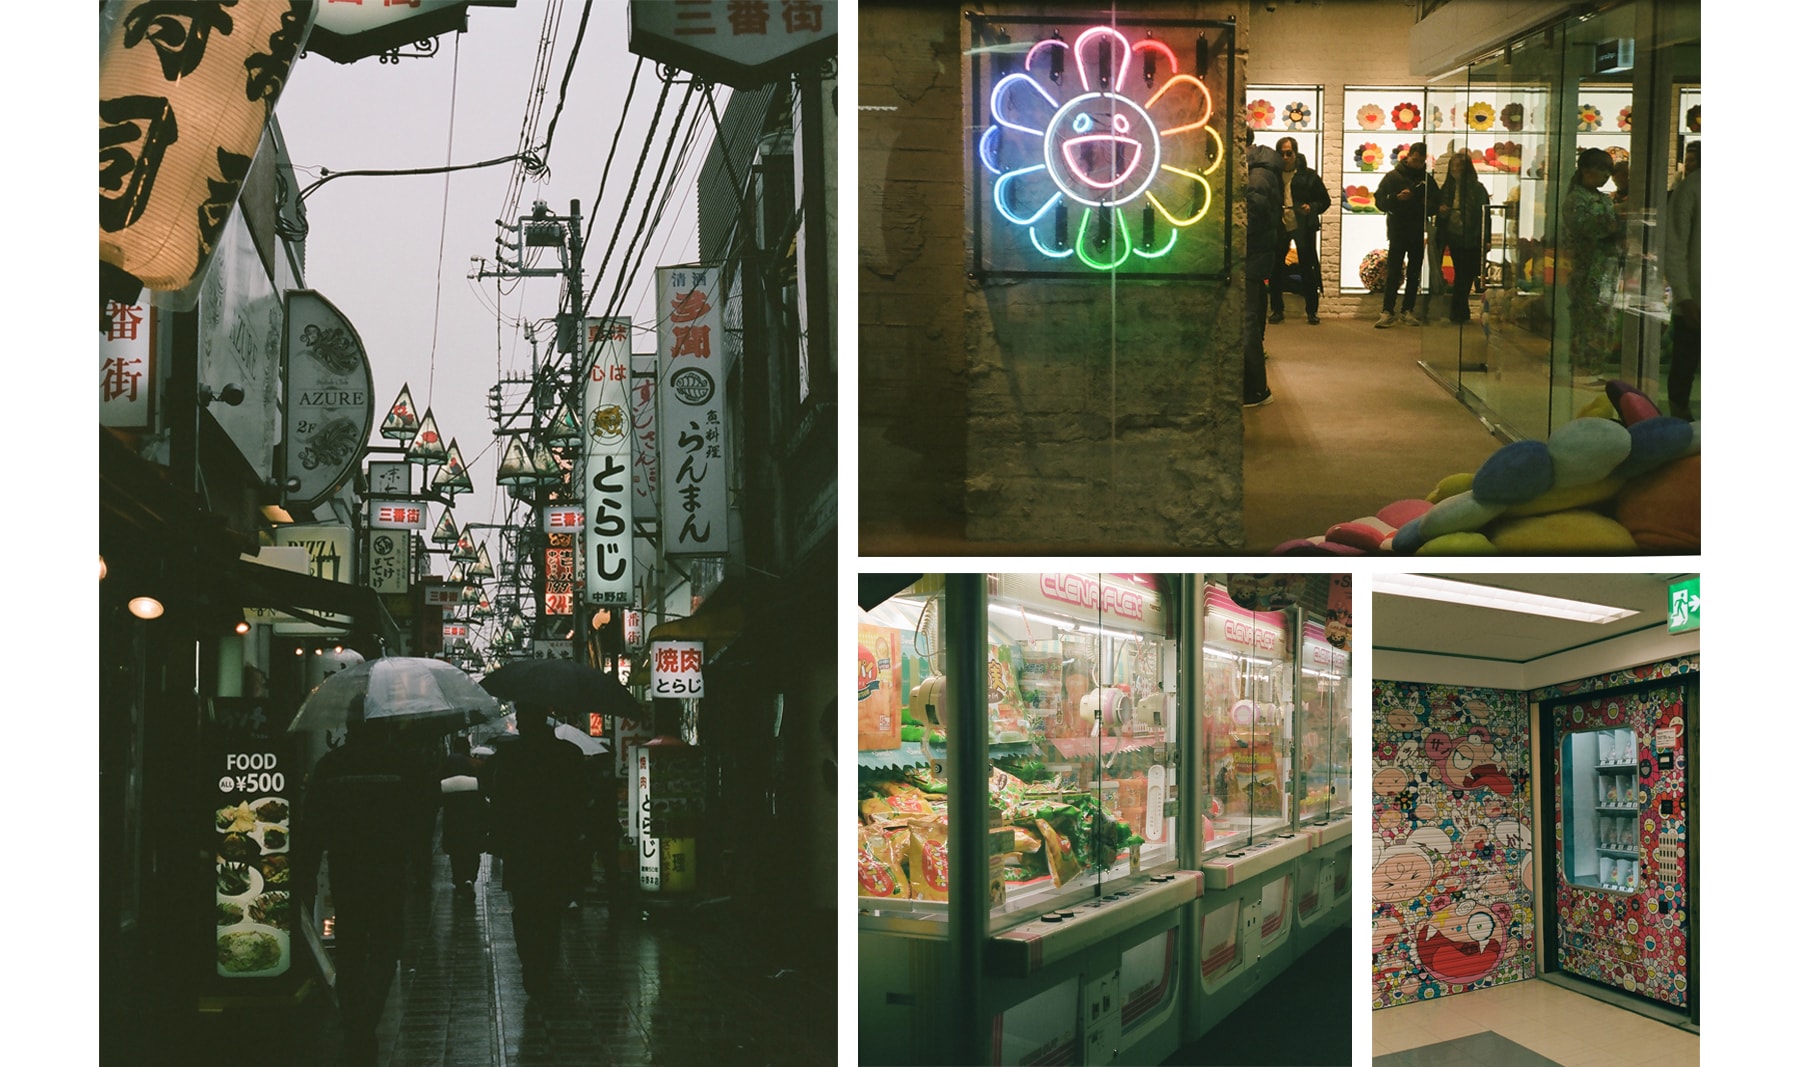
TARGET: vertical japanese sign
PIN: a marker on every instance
(691, 408)
(127, 366)
(390, 561)
(643, 425)
(675, 669)
(606, 407)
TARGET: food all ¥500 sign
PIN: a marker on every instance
(691, 409)
(606, 420)
(675, 669)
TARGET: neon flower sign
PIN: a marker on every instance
(1097, 166)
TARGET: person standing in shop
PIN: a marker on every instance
(1263, 230)
(1589, 246)
(1405, 194)
(1303, 199)
(1461, 219)
(364, 805)
(536, 800)
(1681, 267)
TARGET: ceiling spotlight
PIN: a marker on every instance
(103, 568)
(145, 607)
(242, 627)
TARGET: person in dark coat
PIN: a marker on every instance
(536, 805)
(364, 804)
(1405, 194)
(464, 832)
(1303, 201)
(1262, 242)
(1461, 218)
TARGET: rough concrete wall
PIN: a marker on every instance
(1108, 412)
(1337, 44)
(911, 366)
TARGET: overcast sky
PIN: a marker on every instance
(374, 244)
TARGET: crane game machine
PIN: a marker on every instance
(1077, 898)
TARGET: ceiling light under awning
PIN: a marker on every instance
(1423, 587)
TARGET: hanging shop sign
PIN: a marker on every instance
(128, 367)
(390, 561)
(552, 648)
(390, 477)
(606, 418)
(1684, 605)
(330, 399)
(559, 519)
(443, 595)
(1100, 151)
(456, 635)
(331, 555)
(675, 669)
(185, 90)
(559, 575)
(389, 515)
(634, 629)
(240, 312)
(1317, 652)
(691, 411)
(643, 427)
(743, 45)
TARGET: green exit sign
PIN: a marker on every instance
(1684, 605)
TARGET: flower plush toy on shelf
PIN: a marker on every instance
(1619, 478)
(1481, 115)
(1296, 115)
(1370, 116)
(1437, 116)
(1405, 116)
(1368, 156)
(1261, 115)
(1512, 116)
(1624, 118)
(1587, 118)
(1358, 198)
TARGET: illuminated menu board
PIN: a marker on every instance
(253, 908)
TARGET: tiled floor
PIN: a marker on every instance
(1567, 1027)
(712, 984)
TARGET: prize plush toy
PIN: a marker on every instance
(1619, 478)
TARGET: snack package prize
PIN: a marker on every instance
(877, 687)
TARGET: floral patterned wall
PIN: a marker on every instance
(1452, 897)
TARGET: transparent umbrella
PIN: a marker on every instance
(398, 689)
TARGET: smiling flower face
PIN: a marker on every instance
(1093, 162)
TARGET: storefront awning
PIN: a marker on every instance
(259, 586)
(718, 622)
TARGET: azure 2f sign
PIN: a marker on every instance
(675, 669)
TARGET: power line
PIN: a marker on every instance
(569, 69)
(437, 305)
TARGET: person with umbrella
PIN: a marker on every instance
(536, 801)
(364, 802)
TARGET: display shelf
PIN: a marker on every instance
(1600, 811)
(1363, 229)
(1278, 102)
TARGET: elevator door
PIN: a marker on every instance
(1622, 842)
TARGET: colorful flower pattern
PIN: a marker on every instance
(1636, 942)
(1373, 270)
(1405, 116)
(1370, 116)
(1452, 900)
(1512, 116)
(1587, 118)
(1481, 115)
(1624, 119)
(1359, 199)
(1261, 115)
(1296, 115)
(1368, 156)
(1437, 116)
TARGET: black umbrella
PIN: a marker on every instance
(575, 688)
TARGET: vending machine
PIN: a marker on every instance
(1624, 840)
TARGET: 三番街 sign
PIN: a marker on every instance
(744, 45)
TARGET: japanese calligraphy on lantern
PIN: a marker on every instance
(185, 90)
(691, 405)
(606, 426)
(127, 367)
(675, 669)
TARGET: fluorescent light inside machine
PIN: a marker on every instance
(1485, 596)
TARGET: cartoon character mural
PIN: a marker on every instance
(1452, 890)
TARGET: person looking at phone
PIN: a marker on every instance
(1405, 195)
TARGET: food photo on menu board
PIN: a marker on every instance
(253, 910)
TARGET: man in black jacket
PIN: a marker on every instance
(1262, 224)
(1303, 199)
(1405, 194)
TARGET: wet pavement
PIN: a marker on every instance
(640, 983)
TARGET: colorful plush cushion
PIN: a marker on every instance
(1366, 534)
(1661, 509)
(1407, 539)
(1630, 402)
(1306, 546)
(1572, 496)
(1654, 442)
(1587, 450)
(1693, 448)
(1457, 514)
(1562, 533)
(1459, 544)
(1401, 512)
(1515, 474)
(1449, 486)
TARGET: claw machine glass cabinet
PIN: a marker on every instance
(1024, 727)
